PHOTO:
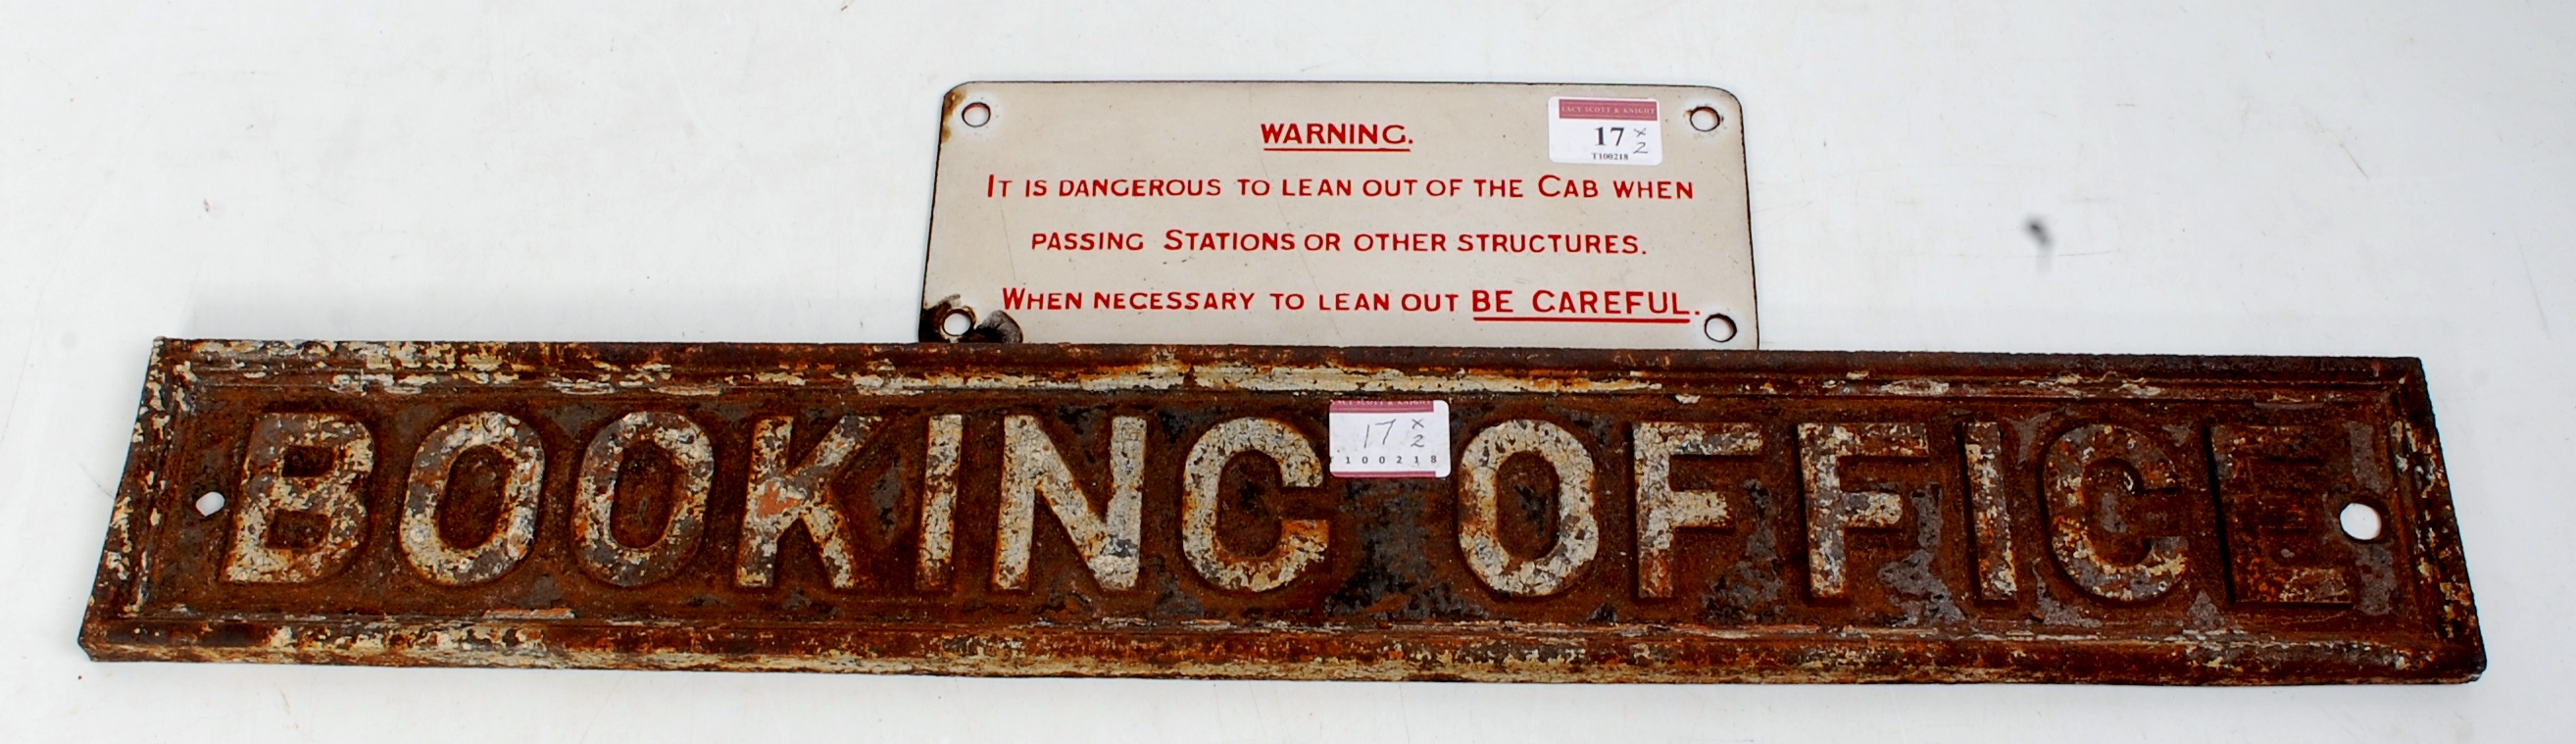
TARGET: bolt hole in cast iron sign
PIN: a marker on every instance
(1673, 510)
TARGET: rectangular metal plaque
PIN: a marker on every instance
(1014, 509)
(1594, 216)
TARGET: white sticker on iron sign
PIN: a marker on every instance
(1389, 438)
(1339, 214)
(1605, 131)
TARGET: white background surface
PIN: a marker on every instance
(2375, 178)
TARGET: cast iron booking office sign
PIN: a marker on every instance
(1170, 511)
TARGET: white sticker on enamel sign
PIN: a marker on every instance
(1605, 131)
(1390, 438)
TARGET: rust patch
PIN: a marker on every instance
(1615, 515)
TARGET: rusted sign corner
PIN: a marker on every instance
(1199, 511)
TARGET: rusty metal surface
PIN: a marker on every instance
(1162, 511)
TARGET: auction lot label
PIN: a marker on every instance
(1604, 216)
